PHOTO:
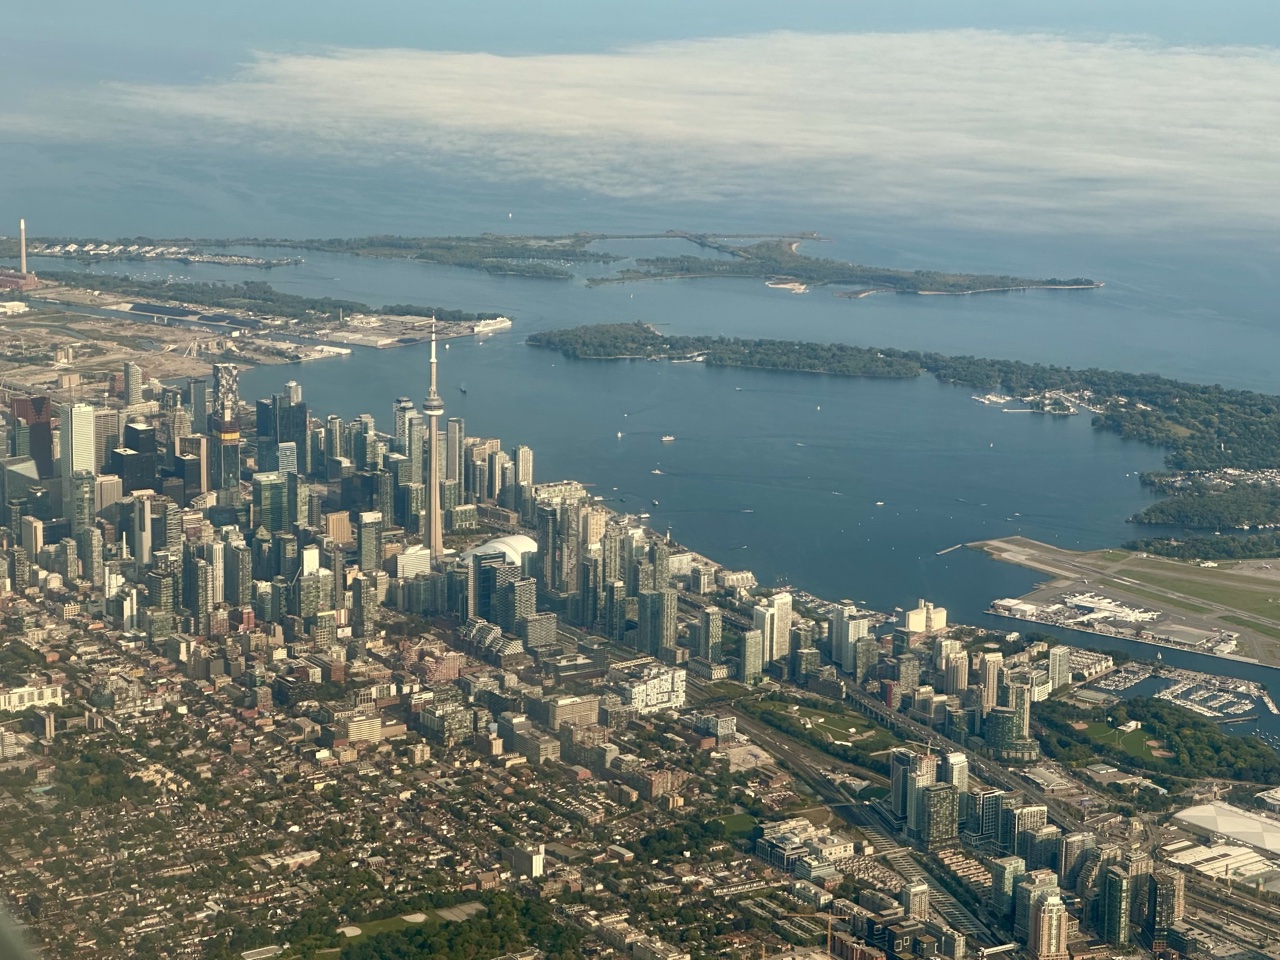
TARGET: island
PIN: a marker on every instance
(779, 262)
(775, 259)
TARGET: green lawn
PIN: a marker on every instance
(1243, 598)
(841, 726)
(725, 690)
(1164, 600)
(1133, 743)
(739, 824)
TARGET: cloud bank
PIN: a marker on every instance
(968, 126)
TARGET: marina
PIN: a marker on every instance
(1222, 699)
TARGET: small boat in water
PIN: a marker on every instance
(656, 473)
(619, 434)
(655, 503)
(668, 438)
(879, 503)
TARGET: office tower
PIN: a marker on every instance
(710, 629)
(192, 465)
(1006, 874)
(369, 541)
(270, 502)
(289, 423)
(1059, 667)
(914, 898)
(1048, 935)
(433, 407)
(107, 489)
(132, 383)
(1115, 903)
(1072, 850)
(36, 414)
(162, 590)
(752, 664)
(287, 458)
(198, 403)
(1166, 905)
(106, 436)
(77, 438)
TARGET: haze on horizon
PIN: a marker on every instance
(1004, 129)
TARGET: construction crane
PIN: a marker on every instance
(830, 917)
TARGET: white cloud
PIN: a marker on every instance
(969, 125)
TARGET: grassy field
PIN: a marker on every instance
(1163, 600)
(1244, 598)
(842, 726)
(1133, 743)
(739, 824)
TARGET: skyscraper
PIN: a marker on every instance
(1059, 667)
(270, 502)
(224, 425)
(1166, 905)
(1006, 872)
(132, 383)
(77, 438)
(710, 644)
(369, 541)
(914, 898)
(454, 445)
(1114, 926)
(1048, 940)
(752, 664)
(433, 407)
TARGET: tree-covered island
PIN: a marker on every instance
(780, 260)
(773, 258)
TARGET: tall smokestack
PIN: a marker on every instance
(22, 245)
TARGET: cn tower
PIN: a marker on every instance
(433, 407)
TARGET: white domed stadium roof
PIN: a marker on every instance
(514, 546)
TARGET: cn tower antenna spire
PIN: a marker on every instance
(433, 407)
